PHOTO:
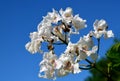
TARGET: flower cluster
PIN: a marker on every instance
(56, 28)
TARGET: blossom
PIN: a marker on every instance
(68, 65)
(71, 48)
(100, 27)
(78, 22)
(67, 15)
(54, 16)
(44, 31)
(86, 42)
(47, 65)
(33, 46)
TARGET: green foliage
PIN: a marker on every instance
(114, 56)
(108, 66)
(95, 74)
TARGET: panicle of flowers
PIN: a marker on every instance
(55, 29)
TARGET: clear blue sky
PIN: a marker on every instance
(20, 17)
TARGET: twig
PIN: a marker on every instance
(60, 38)
(86, 68)
(98, 45)
(88, 61)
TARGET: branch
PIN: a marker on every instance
(60, 38)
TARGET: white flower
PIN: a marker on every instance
(45, 22)
(71, 48)
(48, 65)
(100, 25)
(67, 65)
(66, 15)
(78, 22)
(86, 42)
(45, 32)
(67, 62)
(44, 28)
(55, 17)
(33, 46)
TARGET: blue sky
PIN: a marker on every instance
(20, 17)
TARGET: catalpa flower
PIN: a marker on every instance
(68, 65)
(84, 44)
(78, 23)
(67, 15)
(33, 46)
(71, 48)
(48, 65)
(100, 27)
(54, 16)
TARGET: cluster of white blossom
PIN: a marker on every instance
(56, 28)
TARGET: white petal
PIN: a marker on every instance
(27, 45)
(100, 24)
(109, 34)
(34, 35)
(43, 68)
(78, 22)
(58, 64)
(94, 49)
(66, 15)
(76, 68)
